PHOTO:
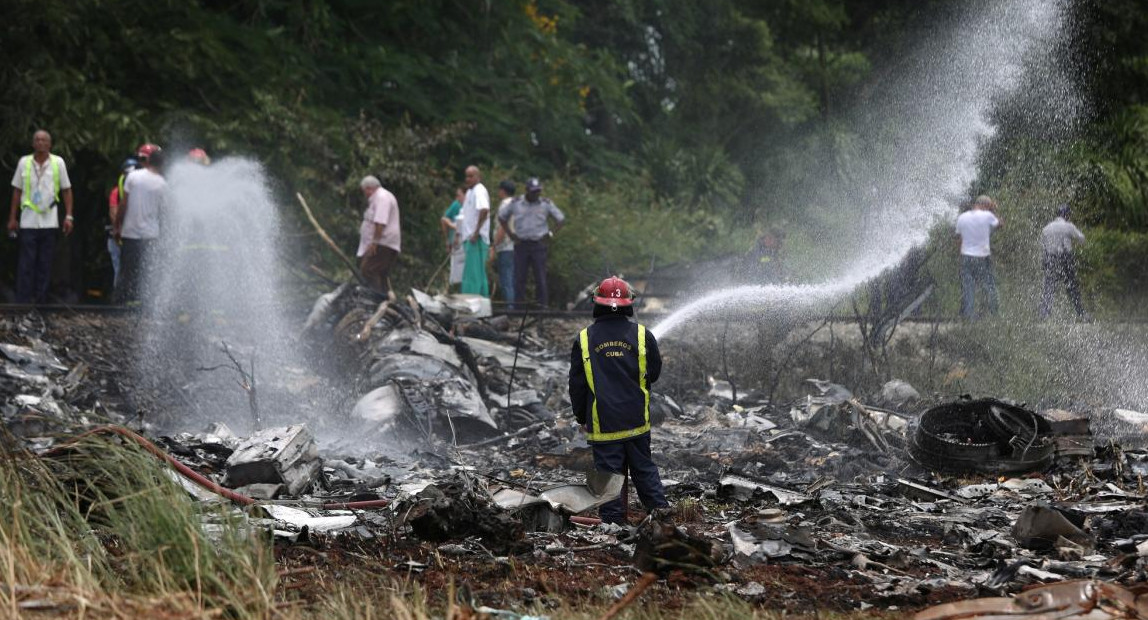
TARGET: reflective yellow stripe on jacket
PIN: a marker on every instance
(26, 197)
(596, 433)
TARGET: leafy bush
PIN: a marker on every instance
(1112, 269)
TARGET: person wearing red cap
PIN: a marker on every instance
(198, 156)
(612, 364)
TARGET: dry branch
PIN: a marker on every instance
(334, 246)
(246, 381)
(646, 581)
(366, 331)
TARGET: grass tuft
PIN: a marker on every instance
(100, 522)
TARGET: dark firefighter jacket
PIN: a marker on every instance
(610, 377)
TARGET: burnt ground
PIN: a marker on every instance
(851, 537)
(550, 583)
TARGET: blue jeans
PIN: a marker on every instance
(504, 261)
(978, 271)
(114, 252)
(632, 459)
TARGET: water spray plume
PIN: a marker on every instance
(931, 122)
(215, 288)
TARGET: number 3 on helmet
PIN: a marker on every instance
(614, 291)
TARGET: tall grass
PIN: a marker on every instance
(99, 527)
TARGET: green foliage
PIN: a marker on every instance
(1112, 171)
(1112, 267)
(624, 228)
(701, 118)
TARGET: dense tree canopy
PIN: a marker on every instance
(718, 114)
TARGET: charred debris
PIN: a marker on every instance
(461, 444)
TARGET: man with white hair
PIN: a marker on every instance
(974, 227)
(380, 236)
(38, 186)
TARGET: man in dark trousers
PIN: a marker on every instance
(526, 220)
(38, 186)
(1058, 261)
(612, 364)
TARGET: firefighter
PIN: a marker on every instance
(612, 364)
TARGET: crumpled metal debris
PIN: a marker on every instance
(1084, 599)
(325, 305)
(897, 393)
(453, 306)
(600, 487)
(444, 408)
(759, 541)
(285, 455)
(1041, 526)
(743, 488)
(837, 414)
(298, 518)
(31, 360)
(458, 508)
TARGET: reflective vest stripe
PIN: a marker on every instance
(26, 198)
(642, 373)
(584, 341)
(596, 433)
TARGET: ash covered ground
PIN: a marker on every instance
(423, 444)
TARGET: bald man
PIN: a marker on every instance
(475, 233)
(40, 181)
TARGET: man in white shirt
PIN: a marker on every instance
(380, 236)
(40, 181)
(975, 227)
(1058, 261)
(475, 233)
(138, 222)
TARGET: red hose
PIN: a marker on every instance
(585, 520)
(204, 481)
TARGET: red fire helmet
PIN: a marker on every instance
(147, 150)
(614, 291)
(199, 156)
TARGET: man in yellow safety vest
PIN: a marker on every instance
(40, 181)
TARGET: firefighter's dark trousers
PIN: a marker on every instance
(630, 458)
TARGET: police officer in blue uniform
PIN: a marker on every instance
(612, 364)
